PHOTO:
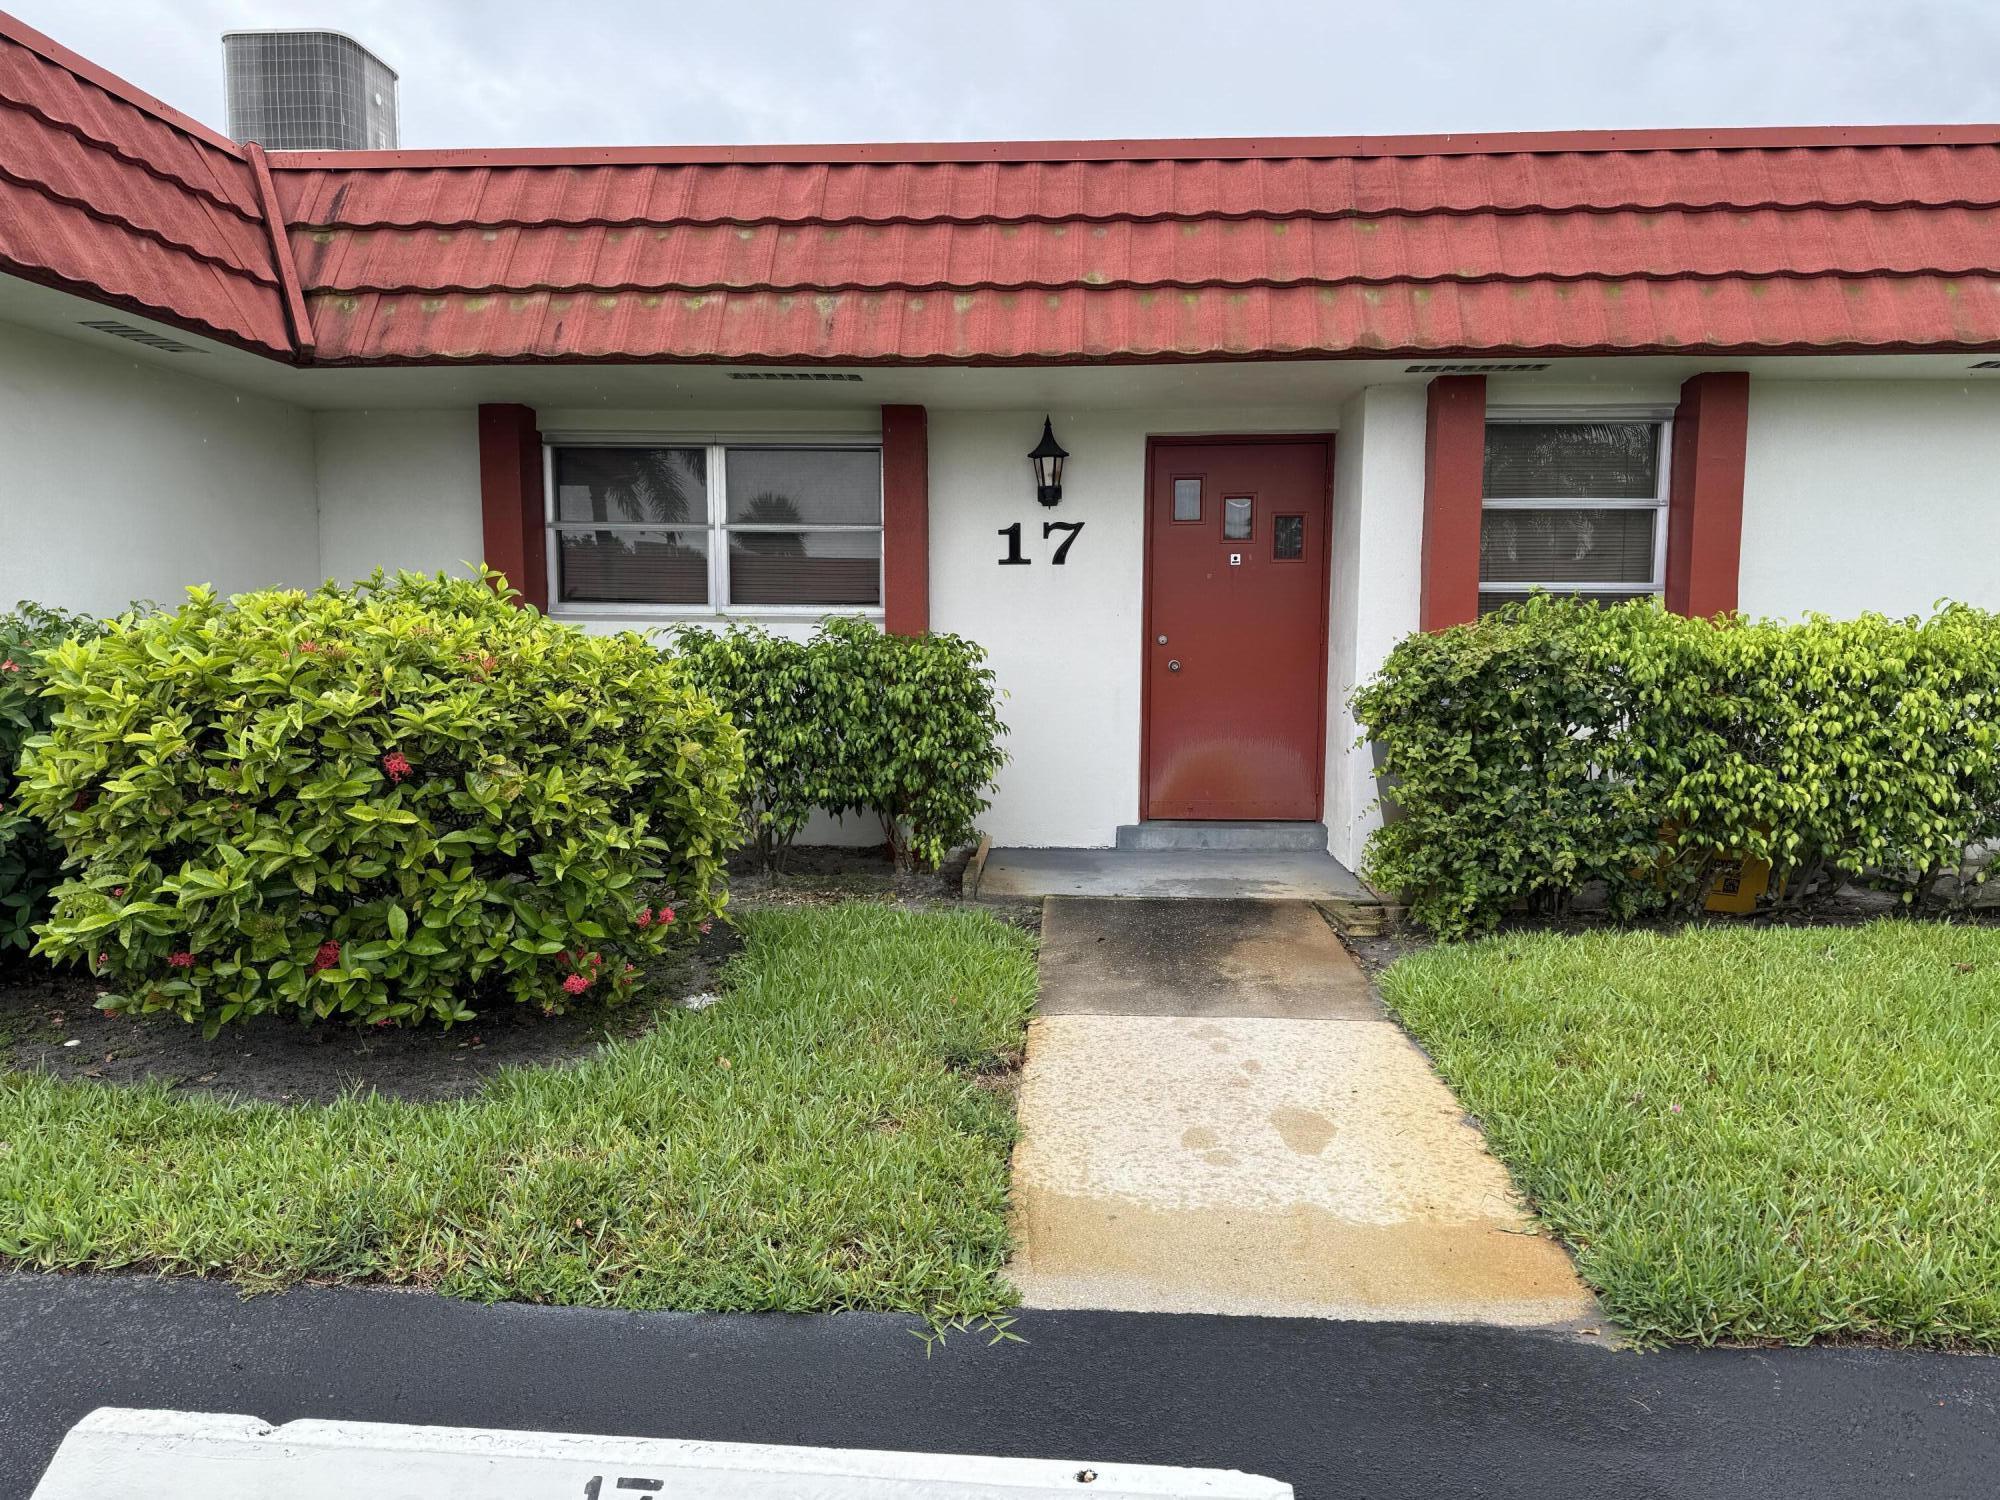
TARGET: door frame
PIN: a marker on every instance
(1154, 444)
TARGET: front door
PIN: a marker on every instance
(1236, 590)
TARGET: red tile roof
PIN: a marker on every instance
(107, 192)
(1725, 242)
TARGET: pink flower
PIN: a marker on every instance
(666, 915)
(1675, 1108)
(327, 957)
(576, 984)
(104, 958)
(117, 891)
(309, 646)
(706, 928)
(180, 960)
(396, 764)
(10, 665)
(645, 917)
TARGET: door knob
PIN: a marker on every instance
(1173, 666)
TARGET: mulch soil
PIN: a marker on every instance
(49, 1020)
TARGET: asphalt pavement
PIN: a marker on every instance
(1376, 1410)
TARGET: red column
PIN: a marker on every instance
(1705, 502)
(906, 520)
(510, 496)
(1454, 483)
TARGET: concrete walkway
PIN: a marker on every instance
(1218, 1116)
(1031, 874)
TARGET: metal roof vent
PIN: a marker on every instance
(791, 375)
(1515, 369)
(144, 336)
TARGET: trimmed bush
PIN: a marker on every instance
(1558, 744)
(28, 863)
(393, 802)
(857, 720)
(777, 691)
(918, 721)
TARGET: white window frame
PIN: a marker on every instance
(717, 525)
(1520, 416)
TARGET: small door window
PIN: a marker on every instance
(1236, 518)
(1187, 499)
(1288, 538)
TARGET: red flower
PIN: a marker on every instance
(180, 960)
(309, 646)
(576, 984)
(645, 917)
(396, 764)
(327, 957)
(666, 915)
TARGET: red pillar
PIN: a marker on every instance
(906, 520)
(1705, 501)
(510, 496)
(1454, 484)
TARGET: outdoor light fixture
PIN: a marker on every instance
(1047, 457)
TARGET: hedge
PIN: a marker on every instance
(28, 861)
(1560, 745)
(856, 720)
(393, 802)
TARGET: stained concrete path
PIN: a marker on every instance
(1218, 1116)
(1031, 874)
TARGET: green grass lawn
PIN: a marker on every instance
(1744, 1133)
(827, 1136)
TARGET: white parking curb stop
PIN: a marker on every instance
(172, 1455)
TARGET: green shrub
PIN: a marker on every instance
(918, 729)
(857, 720)
(775, 688)
(391, 802)
(28, 863)
(1556, 744)
(1507, 742)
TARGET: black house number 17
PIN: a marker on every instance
(1013, 559)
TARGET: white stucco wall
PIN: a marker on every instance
(1871, 495)
(1065, 642)
(122, 481)
(1378, 530)
(397, 489)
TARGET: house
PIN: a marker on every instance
(1315, 394)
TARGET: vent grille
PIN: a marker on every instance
(1514, 369)
(791, 375)
(144, 336)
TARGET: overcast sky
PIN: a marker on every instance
(617, 72)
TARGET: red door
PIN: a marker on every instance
(1236, 590)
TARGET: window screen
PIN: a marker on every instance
(717, 526)
(1575, 507)
(805, 526)
(1572, 460)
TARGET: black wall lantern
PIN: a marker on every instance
(1047, 457)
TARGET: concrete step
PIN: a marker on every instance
(1369, 917)
(1288, 838)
